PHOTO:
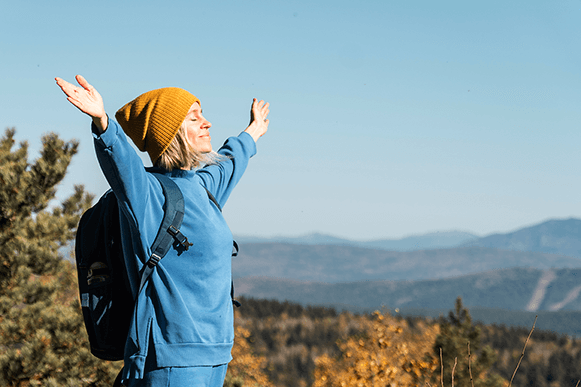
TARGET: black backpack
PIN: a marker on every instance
(106, 298)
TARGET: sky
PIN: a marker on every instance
(388, 118)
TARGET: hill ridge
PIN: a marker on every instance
(332, 263)
(510, 289)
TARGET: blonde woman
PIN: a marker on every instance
(182, 333)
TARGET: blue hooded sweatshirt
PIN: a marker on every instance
(184, 316)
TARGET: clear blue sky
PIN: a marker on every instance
(388, 118)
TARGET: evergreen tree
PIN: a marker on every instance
(455, 333)
(42, 337)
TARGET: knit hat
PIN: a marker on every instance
(153, 119)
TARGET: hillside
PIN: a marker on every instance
(333, 263)
(291, 337)
(557, 236)
(499, 279)
(523, 289)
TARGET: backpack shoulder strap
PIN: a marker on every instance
(169, 232)
(213, 199)
(173, 214)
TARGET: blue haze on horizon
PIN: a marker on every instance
(388, 118)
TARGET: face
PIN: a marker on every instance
(198, 129)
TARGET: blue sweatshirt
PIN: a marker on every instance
(184, 315)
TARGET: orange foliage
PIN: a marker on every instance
(245, 369)
(389, 353)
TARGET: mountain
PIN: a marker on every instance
(435, 240)
(307, 239)
(503, 278)
(557, 236)
(334, 263)
(523, 289)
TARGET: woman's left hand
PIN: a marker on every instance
(258, 119)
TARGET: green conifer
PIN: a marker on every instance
(455, 333)
(42, 337)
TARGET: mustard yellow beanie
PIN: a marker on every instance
(153, 119)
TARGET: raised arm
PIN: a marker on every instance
(221, 178)
(86, 99)
(258, 119)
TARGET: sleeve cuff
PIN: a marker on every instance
(109, 136)
(248, 142)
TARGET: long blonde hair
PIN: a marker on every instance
(181, 155)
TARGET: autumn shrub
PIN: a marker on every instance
(246, 369)
(388, 352)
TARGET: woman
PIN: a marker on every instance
(182, 332)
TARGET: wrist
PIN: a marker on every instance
(101, 123)
(252, 133)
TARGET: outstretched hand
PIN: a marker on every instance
(86, 99)
(258, 119)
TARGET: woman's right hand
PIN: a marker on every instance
(86, 99)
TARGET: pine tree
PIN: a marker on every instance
(455, 333)
(42, 337)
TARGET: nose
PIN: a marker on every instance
(207, 125)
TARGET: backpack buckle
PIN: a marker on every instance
(153, 260)
(181, 243)
(98, 272)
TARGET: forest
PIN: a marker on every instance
(43, 341)
(303, 345)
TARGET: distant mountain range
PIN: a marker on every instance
(333, 263)
(554, 236)
(435, 240)
(557, 236)
(535, 269)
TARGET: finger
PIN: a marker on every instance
(65, 86)
(258, 104)
(76, 103)
(62, 83)
(83, 82)
(264, 108)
